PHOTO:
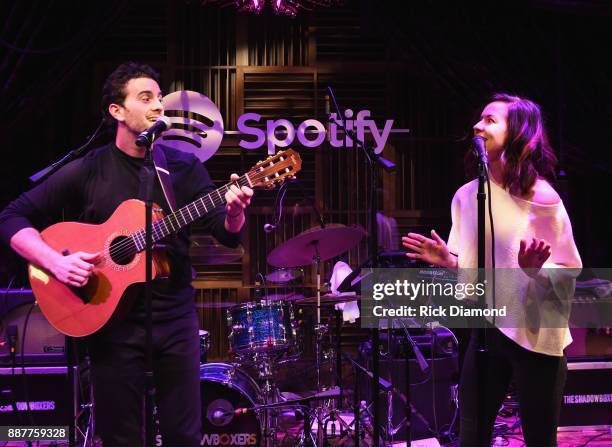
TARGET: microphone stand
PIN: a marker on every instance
(74, 153)
(481, 354)
(374, 162)
(37, 178)
(149, 177)
(423, 366)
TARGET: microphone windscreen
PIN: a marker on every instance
(165, 120)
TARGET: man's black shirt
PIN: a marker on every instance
(89, 189)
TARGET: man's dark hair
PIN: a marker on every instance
(113, 91)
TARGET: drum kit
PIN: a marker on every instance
(239, 408)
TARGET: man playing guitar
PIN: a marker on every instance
(89, 190)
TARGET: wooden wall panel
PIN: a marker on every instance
(278, 41)
(279, 68)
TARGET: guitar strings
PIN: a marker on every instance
(128, 247)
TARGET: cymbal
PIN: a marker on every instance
(284, 275)
(328, 242)
(284, 297)
(328, 300)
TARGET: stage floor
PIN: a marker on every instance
(564, 439)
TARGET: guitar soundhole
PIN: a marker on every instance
(122, 250)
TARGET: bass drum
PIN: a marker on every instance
(226, 388)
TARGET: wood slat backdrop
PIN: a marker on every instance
(279, 68)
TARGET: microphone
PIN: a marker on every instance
(269, 228)
(146, 138)
(478, 146)
(219, 414)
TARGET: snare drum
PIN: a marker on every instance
(261, 327)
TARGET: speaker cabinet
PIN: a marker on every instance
(43, 344)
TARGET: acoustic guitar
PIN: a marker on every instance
(81, 311)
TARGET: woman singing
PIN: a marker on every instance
(534, 244)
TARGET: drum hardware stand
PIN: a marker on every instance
(329, 410)
(271, 395)
(319, 328)
(387, 387)
(338, 356)
(320, 332)
(306, 438)
(88, 435)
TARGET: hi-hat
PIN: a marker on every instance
(326, 243)
(283, 297)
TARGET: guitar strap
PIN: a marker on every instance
(161, 169)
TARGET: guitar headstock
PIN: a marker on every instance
(275, 169)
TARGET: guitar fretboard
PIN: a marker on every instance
(185, 215)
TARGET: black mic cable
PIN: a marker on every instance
(278, 207)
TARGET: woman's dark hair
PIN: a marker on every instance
(527, 153)
(113, 91)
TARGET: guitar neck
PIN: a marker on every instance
(182, 217)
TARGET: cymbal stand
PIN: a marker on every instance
(338, 356)
(319, 328)
(271, 394)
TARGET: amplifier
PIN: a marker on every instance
(11, 298)
(590, 344)
(394, 344)
(587, 397)
(48, 390)
(43, 343)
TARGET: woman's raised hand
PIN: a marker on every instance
(432, 251)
